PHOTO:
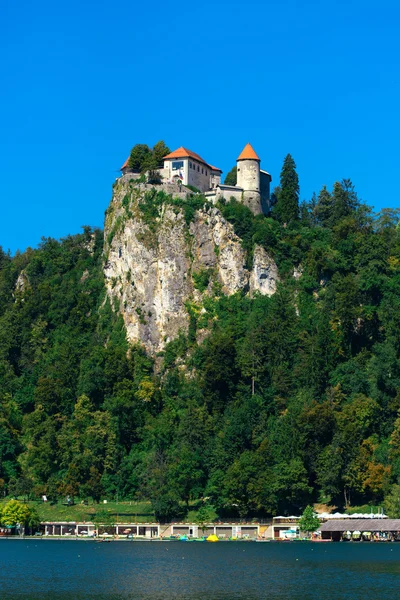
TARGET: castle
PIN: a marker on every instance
(188, 168)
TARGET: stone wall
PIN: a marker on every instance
(248, 175)
(253, 201)
(265, 182)
(199, 176)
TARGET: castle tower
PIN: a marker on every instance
(248, 178)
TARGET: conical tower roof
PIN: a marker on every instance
(248, 153)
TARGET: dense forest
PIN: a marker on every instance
(290, 399)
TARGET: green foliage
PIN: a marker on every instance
(392, 502)
(138, 156)
(287, 206)
(201, 279)
(205, 515)
(308, 521)
(193, 189)
(159, 151)
(142, 158)
(288, 400)
(15, 512)
(231, 177)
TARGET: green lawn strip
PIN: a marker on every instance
(122, 512)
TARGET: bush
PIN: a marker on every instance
(201, 279)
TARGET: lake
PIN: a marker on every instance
(76, 570)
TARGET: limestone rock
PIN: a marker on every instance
(21, 285)
(152, 264)
(264, 275)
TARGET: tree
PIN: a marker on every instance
(149, 163)
(159, 151)
(93, 487)
(324, 208)
(138, 155)
(287, 206)
(15, 512)
(104, 520)
(344, 200)
(205, 515)
(392, 502)
(21, 486)
(231, 177)
(308, 521)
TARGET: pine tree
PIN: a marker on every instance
(345, 201)
(287, 207)
(324, 208)
(159, 151)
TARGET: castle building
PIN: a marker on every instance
(188, 168)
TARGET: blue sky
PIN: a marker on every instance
(83, 81)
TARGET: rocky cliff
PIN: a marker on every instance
(164, 258)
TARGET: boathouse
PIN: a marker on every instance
(221, 530)
(336, 530)
(72, 528)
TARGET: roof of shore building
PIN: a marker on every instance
(248, 153)
(125, 163)
(361, 525)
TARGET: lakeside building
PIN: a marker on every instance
(283, 527)
(151, 530)
(360, 529)
(221, 530)
(73, 528)
(187, 168)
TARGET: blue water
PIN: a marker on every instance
(70, 570)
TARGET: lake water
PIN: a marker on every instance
(71, 570)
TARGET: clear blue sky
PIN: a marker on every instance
(83, 81)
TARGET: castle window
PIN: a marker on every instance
(198, 168)
(202, 170)
(206, 172)
(190, 164)
(177, 164)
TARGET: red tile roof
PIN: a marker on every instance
(185, 153)
(248, 153)
(125, 164)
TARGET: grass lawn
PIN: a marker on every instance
(122, 512)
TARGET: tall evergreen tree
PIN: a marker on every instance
(345, 201)
(287, 207)
(159, 151)
(324, 207)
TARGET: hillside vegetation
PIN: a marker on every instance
(290, 399)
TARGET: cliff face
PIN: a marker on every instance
(159, 261)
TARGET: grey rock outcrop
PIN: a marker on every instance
(264, 275)
(151, 265)
(21, 285)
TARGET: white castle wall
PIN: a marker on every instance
(248, 175)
